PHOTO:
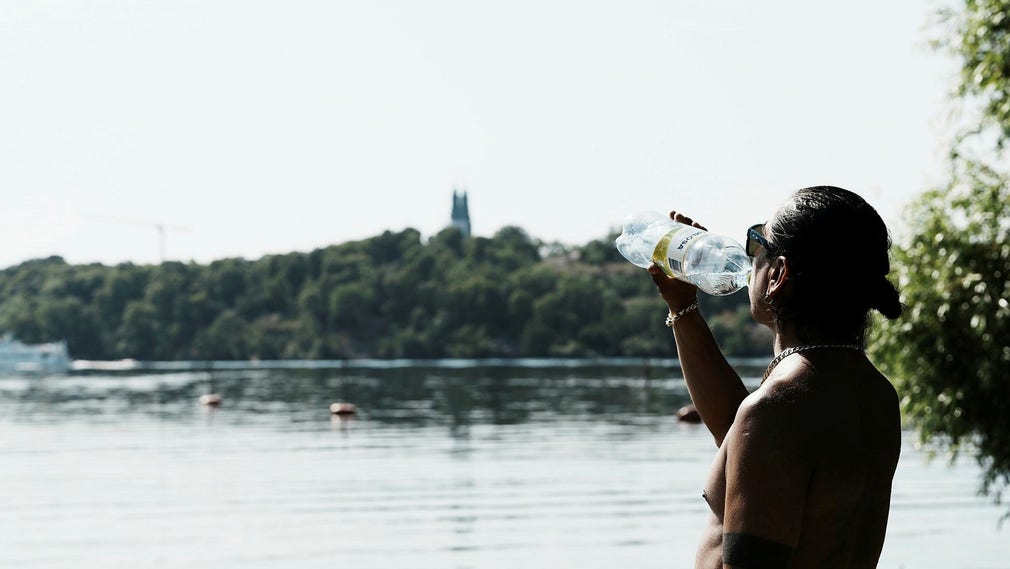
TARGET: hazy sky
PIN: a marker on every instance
(250, 127)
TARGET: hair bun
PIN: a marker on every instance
(885, 299)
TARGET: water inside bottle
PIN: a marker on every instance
(641, 232)
(720, 284)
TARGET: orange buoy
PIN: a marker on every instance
(343, 409)
(210, 400)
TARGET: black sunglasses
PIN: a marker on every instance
(755, 239)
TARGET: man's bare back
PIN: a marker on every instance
(808, 463)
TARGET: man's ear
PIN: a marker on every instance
(778, 277)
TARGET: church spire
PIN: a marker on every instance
(460, 212)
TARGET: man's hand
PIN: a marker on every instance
(677, 293)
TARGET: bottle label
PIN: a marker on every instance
(671, 250)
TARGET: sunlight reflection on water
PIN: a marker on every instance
(443, 467)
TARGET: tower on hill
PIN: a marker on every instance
(460, 213)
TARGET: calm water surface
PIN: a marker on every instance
(453, 467)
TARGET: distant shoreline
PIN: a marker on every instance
(374, 363)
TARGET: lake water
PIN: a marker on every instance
(466, 465)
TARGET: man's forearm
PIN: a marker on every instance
(714, 385)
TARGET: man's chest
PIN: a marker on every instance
(714, 490)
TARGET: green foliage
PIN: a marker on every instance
(950, 353)
(737, 333)
(390, 296)
(979, 36)
(600, 251)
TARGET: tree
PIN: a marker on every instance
(138, 335)
(227, 338)
(950, 353)
(600, 251)
(392, 295)
(979, 36)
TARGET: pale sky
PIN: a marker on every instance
(254, 127)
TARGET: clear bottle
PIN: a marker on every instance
(715, 264)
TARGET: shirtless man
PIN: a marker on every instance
(802, 476)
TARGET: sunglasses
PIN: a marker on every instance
(755, 239)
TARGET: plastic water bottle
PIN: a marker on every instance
(716, 264)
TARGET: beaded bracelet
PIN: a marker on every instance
(671, 317)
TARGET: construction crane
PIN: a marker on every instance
(161, 228)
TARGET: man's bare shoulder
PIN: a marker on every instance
(803, 406)
(770, 417)
(777, 397)
(828, 381)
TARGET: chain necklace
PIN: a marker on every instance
(788, 352)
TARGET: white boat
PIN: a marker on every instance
(105, 365)
(18, 357)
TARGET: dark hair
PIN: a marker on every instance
(837, 247)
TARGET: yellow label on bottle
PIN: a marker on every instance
(672, 249)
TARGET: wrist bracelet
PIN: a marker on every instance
(673, 317)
